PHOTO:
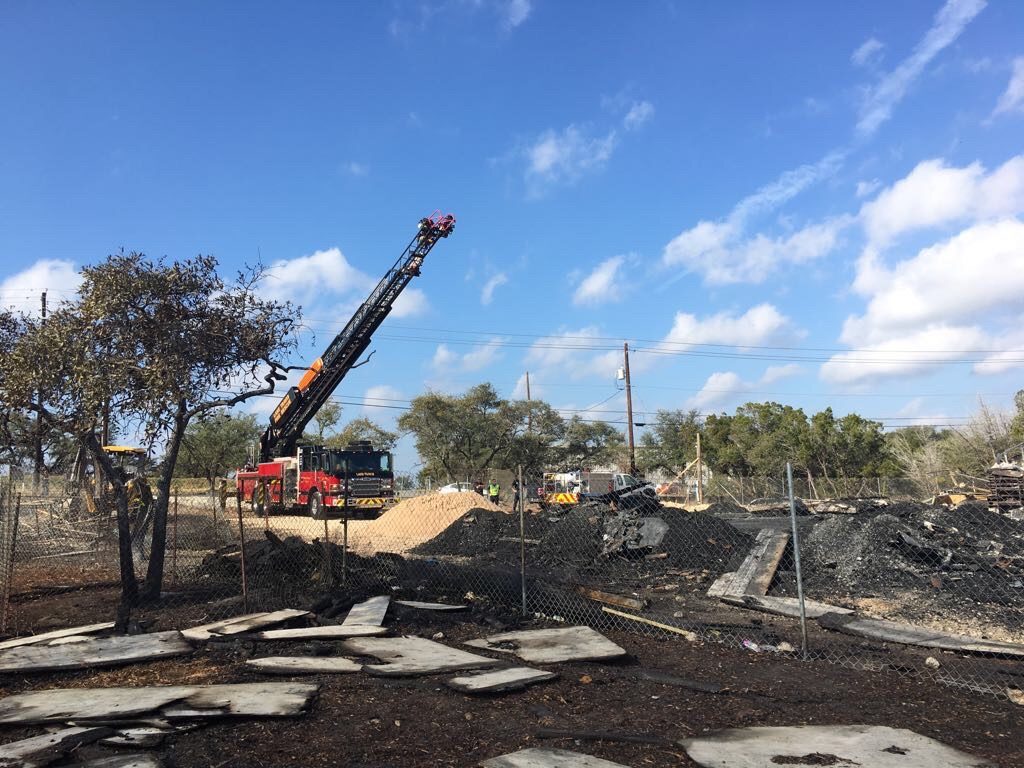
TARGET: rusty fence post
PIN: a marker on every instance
(241, 549)
(174, 532)
(344, 544)
(11, 554)
(521, 493)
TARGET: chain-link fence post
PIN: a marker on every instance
(344, 544)
(328, 575)
(174, 543)
(241, 550)
(521, 498)
(9, 569)
(796, 562)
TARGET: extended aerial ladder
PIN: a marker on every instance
(302, 402)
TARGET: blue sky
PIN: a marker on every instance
(819, 204)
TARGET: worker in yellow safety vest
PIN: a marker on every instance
(493, 491)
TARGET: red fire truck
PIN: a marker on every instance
(327, 481)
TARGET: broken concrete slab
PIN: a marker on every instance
(369, 613)
(57, 633)
(114, 705)
(784, 606)
(332, 631)
(305, 665)
(240, 626)
(431, 606)
(45, 749)
(122, 761)
(413, 656)
(840, 745)
(910, 634)
(202, 632)
(550, 646)
(535, 757)
(500, 680)
(96, 652)
(143, 737)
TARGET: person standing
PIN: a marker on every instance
(494, 491)
(515, 493)
(479, 487)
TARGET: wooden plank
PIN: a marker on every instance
(369, 613)
(46, 636)
(535, 757)
(741, 581)
(783, 606)
(431, 606)
(247, 625)
(332, 631)
(122, 761)
(497, 681)
(202, 632)
(550, 646)
(305, 665)
(43, 750)
(111, 705)
(622, 601)
(910, 634)
(143, 737)
(691, 636)
(96, 652)
(407, 656)
(768, 563)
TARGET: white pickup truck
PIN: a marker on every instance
(568, 488)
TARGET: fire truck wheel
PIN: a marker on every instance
(316, 505)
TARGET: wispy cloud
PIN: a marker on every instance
(563, 157)
(638, 115)
(880, 99)
(603, 285)
(515, 12)
(726, 386)
(357, 169)
(21, 291)
(447, 361)
(868, 53)
(1012, 99)
(487, 294)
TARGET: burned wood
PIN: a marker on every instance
(42, 750)
(621, 601)
(94, 652)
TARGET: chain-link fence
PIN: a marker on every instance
(889, 583)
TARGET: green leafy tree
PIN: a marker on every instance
(671, 442)
(589, 443)
(157, 343)
(326, 419)
(215, 444)
(362, 429)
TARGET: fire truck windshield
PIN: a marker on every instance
(347, 462)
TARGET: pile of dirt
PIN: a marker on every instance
(486, 534)
(416, 521)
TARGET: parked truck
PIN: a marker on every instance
(287, 476)
(566, 489)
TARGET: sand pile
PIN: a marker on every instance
(416, 521)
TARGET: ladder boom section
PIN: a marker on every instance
(300, 403)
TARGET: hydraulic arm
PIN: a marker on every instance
(301, 402)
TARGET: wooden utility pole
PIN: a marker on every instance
(529, 408)
(700, 474)
(38, 448)
(629, 411)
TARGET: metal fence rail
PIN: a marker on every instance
(723, 572)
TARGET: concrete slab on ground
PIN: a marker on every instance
(839, 745)
(305, 665)
(548, 758)
(407, 656)
(369, 613)
(550, 646)
(500, 680)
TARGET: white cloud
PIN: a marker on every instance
(759, 325)
(570, 353)
(378, 401)
(880, 99)
(304, 278)
(934, 194)
(447, 361)
(21, 291)
(537, 388)
(943, 303)
(723, 386)
(720, 252)
(865, 188)
(869, 52)
(603, 285)
(566, 156)
(639, 114)
(1012, 99)
(515, 12)
(358, 169)
(412, 302)
(487, 294)
(710, 250)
